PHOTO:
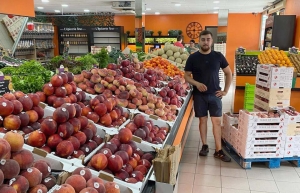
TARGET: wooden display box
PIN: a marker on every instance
(167, 188)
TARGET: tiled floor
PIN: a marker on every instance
(209, 175)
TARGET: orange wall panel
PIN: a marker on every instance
(165, 23)
(17, 7)
(128, 21)
(242, 30)
(293, 8)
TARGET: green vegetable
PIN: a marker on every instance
(115, 54)
(102, 58)
(87, 61)
(8, 70)
(30, 77)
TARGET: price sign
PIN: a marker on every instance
(241, 50)
(293, 50)
(4, 86)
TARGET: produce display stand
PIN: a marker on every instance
(242, 79)
(38, 44)
(82, 38)
(177, 135)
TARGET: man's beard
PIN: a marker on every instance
(205, 48)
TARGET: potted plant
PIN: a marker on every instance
(127, 32)
(159, 33)
(179, 32)
(151, 33)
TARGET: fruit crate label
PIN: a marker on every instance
(293, 50)
(241, 51)
(4, 87)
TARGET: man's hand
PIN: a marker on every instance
(201, 87)
(220, 93)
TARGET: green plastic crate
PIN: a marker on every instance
(248, 105)
(249, 87)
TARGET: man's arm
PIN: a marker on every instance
(189, 79)
(228, 78)
(187, 76)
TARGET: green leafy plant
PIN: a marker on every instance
(179, 32)
(115, 54)
(87, 61)
(8, 70)
(159, 33)
(128, 32)
(30, 77)
(102, 58)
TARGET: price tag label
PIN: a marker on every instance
(4, 86)
(272, 48)
(241, 50)
(293, 50)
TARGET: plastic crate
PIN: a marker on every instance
(249, 87)
(248, 106)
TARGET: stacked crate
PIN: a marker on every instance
(261, 134)
(292, 145)
(230, 122)
(249, 97)
(273, 87)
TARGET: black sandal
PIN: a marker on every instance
(222, 156)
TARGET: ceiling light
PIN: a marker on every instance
(45, 1)
(216, 7)
(86, 10)
(148, 9)
(177, 4)
(157, 13)
(56, 11)
(40, 7)
(216, 12)
(143, 13)
(216, 1)
(64, 5)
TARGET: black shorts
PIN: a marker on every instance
(207, 102)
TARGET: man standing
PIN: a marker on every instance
(204, 67)
(179, 42)
(192, 48)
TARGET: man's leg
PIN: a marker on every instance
(215, 111)
(201, 107)
(216, 122)
(203, 129)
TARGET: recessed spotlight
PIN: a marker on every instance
(177, 4)
(40, 7)
(56, 11)
(86, 10)
(64, 5)
(216, 12)
(157, 13)
(45, 1)
(216, 7)
(148, 9)
(216, 1)
(143, 13)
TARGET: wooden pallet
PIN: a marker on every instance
(246, 163)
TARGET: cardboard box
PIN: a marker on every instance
(262, 127)
(271, 104)
(252, 118)
(137, 186)
(274, 84)
(269, 77)
(293, 130)
(230, 119)
(166, 188)
(272, 69)
(274, 94)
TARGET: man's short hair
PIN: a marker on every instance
(192, 41)
(205, 32)
(179, 38)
